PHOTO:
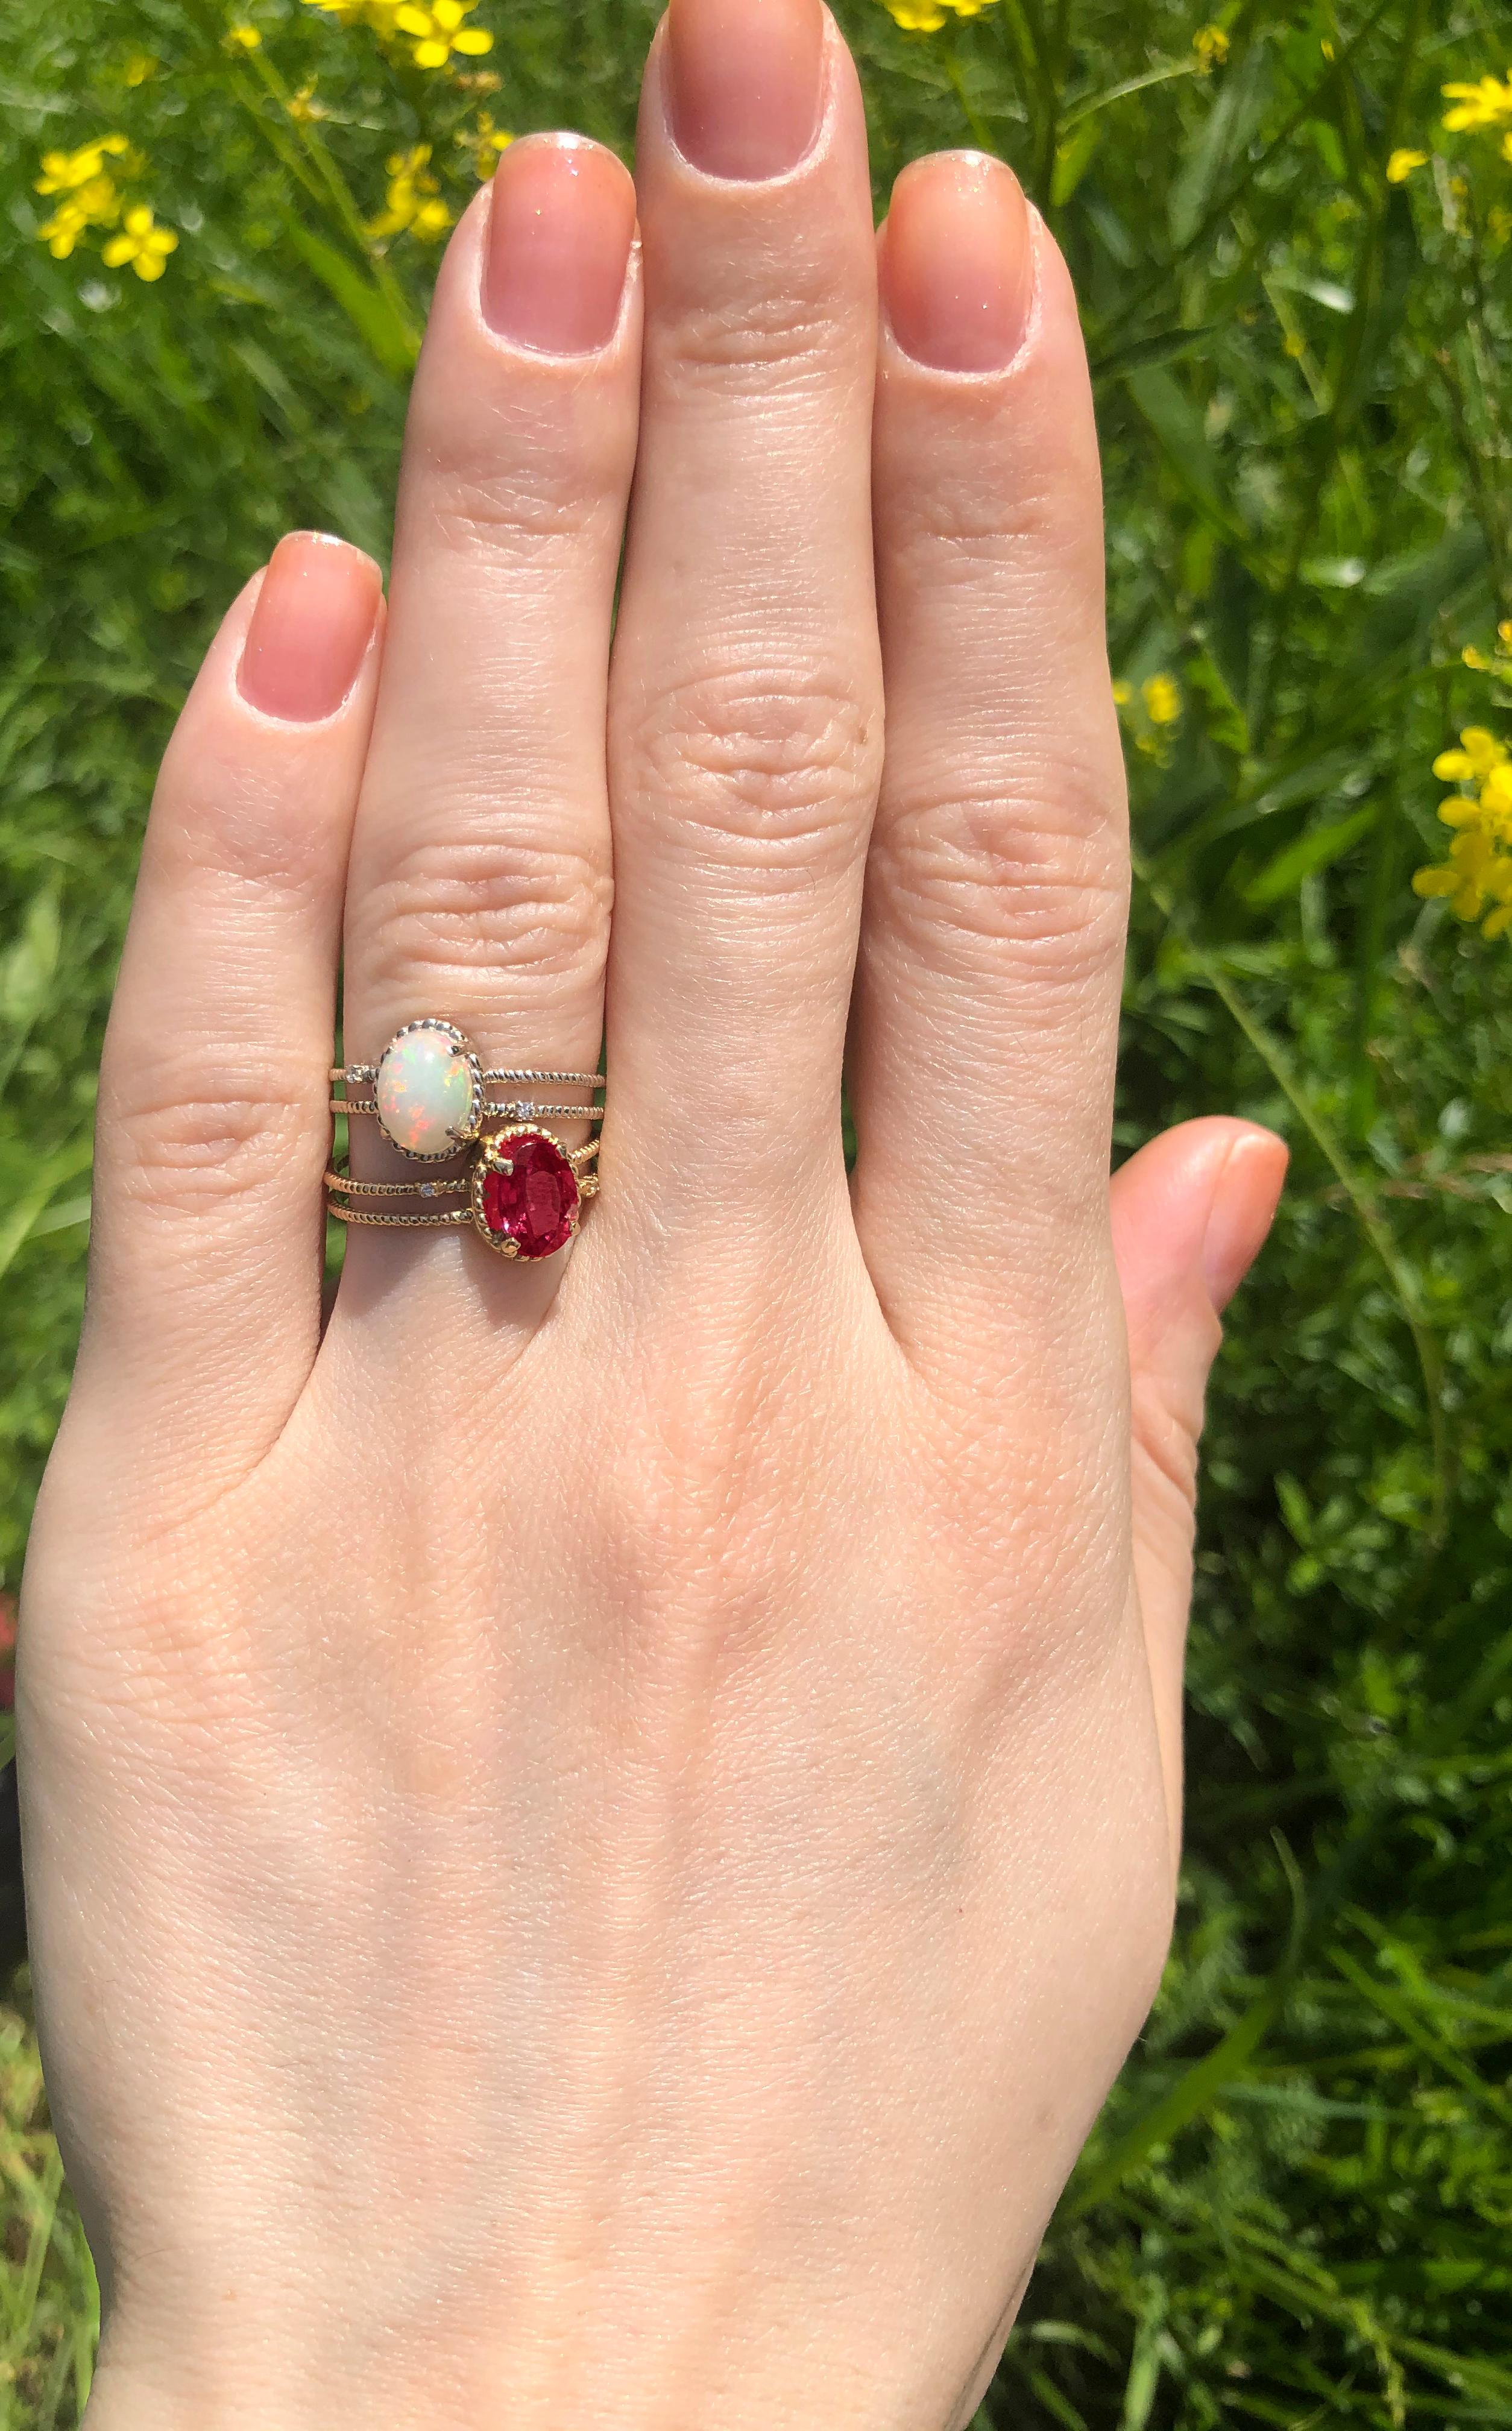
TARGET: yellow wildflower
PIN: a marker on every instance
(1401, 164)
(142, 242)
(64, 171)
(917, 16)
(139, 68)
(1162, 698)
(414, 198)
(302, 105)
(438, 31)
(1475, 659)
(90, 198)
(61, 233)
(1503, 632)
(967, 7)
(488, 141)
(1211, 43)
(242, 38)
(1479, 754)
(1122, 693)
(1476, 876)
(1485, 103)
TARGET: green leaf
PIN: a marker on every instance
(1318, 849)
(364, 302)
(1073, 157)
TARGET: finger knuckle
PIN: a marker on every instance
(767, 759)
(521, 482)
(1029, 860)
(764, 342)
(181, 1139)
(238, 833)
(468, 907)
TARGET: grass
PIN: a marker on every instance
(1296, 2208)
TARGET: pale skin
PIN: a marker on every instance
(597, 1832)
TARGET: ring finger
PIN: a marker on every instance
(480, 871)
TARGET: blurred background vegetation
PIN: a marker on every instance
(1292, 249)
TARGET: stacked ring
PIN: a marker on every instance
(524, 1190)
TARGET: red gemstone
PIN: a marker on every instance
(535, 1204)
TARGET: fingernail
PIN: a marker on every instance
(957, 263)
(560, 230)
(1242, 1212)
(744, 83)
(310, 628)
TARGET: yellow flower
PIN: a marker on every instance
(968, 7)
(242, 38)
(302, 105)
(1162, 698)
(1122, 694)
(1475, 659)
(1477, 880)
(139, 68)
(61, 233)
(488, 141)
(63, 171)
(1476, 876)
(1485, 103)
(438, 31)
(1503, 632)
(142, 242)
(414, 198)
(1211, 43)
(94, 205)
(1401, 164)
(1479, 753)
(917, 16)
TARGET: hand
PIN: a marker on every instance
(597, 1833)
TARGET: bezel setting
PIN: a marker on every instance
(461, 1138)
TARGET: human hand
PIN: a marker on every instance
(596, 1834)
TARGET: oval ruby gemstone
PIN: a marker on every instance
(535, 1204)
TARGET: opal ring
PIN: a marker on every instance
(524, 1188)
(431, 1091)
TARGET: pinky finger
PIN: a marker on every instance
(204, 1272)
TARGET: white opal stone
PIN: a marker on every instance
(423, 1092)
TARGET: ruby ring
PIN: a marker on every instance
(524, 1191)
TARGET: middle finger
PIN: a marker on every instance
(744, 706)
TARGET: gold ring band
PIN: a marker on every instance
(525, 1187)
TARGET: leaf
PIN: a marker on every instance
(62, 1166)
(364, 302)
(1178, 425)
(28, 969)
(1318, 849)
(1162, 347)
(1239, 99)
(1073, 157)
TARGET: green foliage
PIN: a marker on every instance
(1297, 2210)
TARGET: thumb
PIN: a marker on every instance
(1190, 1212)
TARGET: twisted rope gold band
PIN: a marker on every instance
(358, 1215)
(580, 1080)
(503, 1110)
